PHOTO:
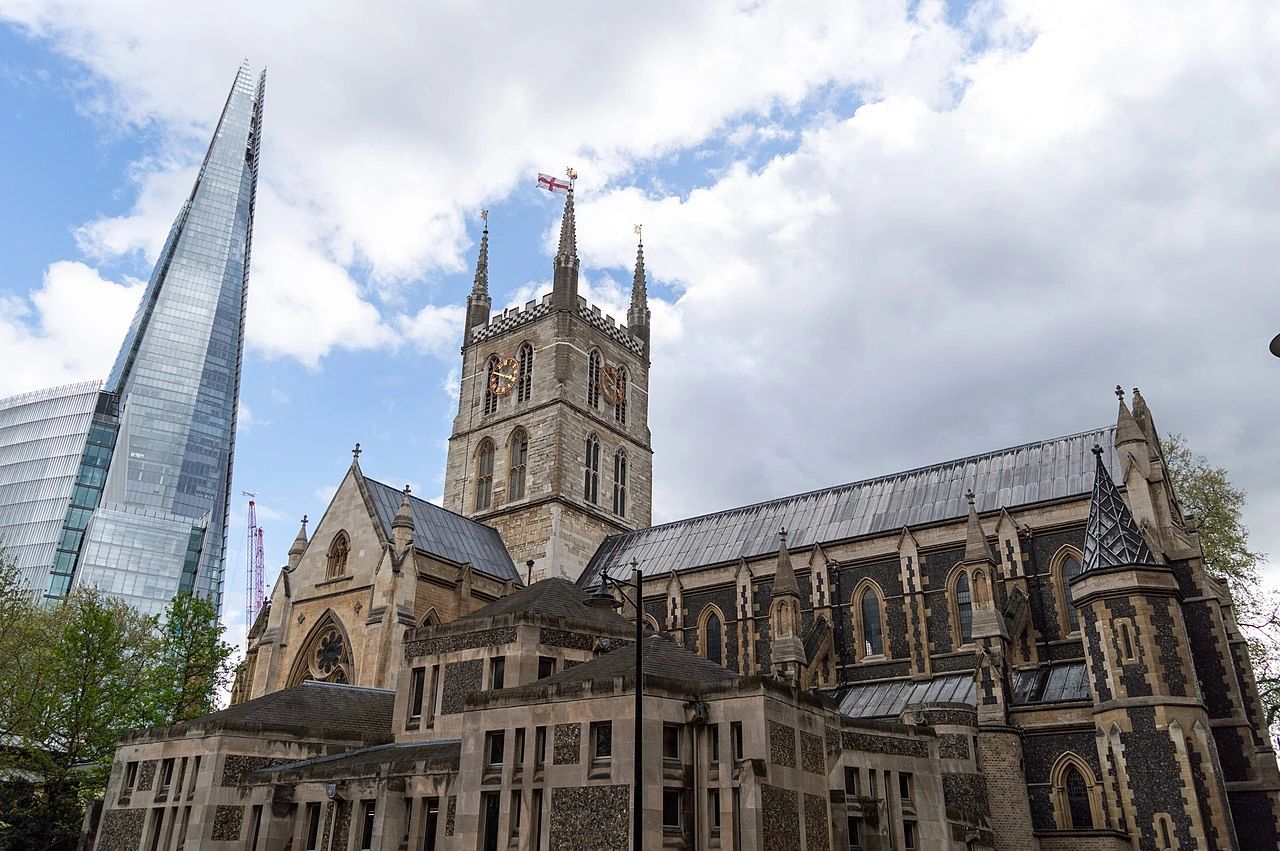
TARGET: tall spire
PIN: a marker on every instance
(564, 288)
(976, 547)
(479, 304)
(638, 314)
(1111, 537)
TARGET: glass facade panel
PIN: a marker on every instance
(42, 439)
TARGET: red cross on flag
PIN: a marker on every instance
(553, 184)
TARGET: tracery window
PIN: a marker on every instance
(1078, 800)
(591, 478)
(620, 483)
(870, 630)
(490, 398)
(963, 608)
(519, 464)
(620, 408)
(712, 635)
(326, 656)
(524, 377)
(339, 548)
(484, 475)
(593, 379)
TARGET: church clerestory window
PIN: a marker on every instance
(870, 624)
(713, 638)
(1068, 566)
(336, 562)
(484, 475)
(593, 379)
(524, 377)
(964, 608)
(519, 464)
(1078, 800)
(620, 483)
(490, 398)
(591, 477)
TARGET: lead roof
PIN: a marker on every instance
(441, 533)
(556, 597)
(1020, 475)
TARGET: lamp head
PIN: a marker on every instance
(602, 599)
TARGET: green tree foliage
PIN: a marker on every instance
(193, 666)
(77, 675)
(1207, 491)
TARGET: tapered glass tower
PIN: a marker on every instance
(154, 522)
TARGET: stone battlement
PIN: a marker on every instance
(515, 317)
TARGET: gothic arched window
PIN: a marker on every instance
(1078, 799)
(339, 548)
(593, 379)
(490, 398)
(963, 600)
(870, 631)
(591, 479)
(484, 475)
(524, 378)
(620, 408)
(620, 483)
(712, 636)
(1066, 565)
(519, 464)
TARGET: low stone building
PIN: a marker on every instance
(1021, 649)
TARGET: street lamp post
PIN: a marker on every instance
(602, 598)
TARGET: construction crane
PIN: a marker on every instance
(253, 562)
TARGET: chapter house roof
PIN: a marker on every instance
(441, 533)
(556, 597)
(1021, 475)
(663, 658)
(328, 708)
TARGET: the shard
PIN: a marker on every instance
(149, 520)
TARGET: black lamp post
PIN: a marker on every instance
(603, 599)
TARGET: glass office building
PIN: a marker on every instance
(42, 441)
(146, 511)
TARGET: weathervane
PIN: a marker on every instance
(484, 214)
(639, 229)
(571, 172)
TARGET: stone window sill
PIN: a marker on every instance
(346, 577)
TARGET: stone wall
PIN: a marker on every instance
(781, 816)
(461, 680)
(590, 817)
(121, 830)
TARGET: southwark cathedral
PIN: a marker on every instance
(1021, 649)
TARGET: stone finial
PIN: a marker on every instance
(299, 545)
(976, 547)
(1111, 537)
(564, 285)
(1127, 430)
(355, 454)
(479, 304)
(1142, 414)
(784, 578)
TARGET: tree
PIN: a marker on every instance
(193, 664)
(1207, 491)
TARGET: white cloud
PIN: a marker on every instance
(970, 260)
(67, 330)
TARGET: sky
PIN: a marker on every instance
(878, 235)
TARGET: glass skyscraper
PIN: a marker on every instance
(146, 496)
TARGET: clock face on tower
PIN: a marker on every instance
(612, 386)
(503, 377)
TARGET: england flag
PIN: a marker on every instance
(553, 184)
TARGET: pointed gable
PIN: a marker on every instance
(1111, 537)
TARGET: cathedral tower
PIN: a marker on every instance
(551, 442)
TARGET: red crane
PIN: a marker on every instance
(253, 563)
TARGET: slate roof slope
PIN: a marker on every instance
(442, 533)
(317, 706)
(556, 597)
(889, 699)
(443, 752)
(662, 658)
(1020, 475)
